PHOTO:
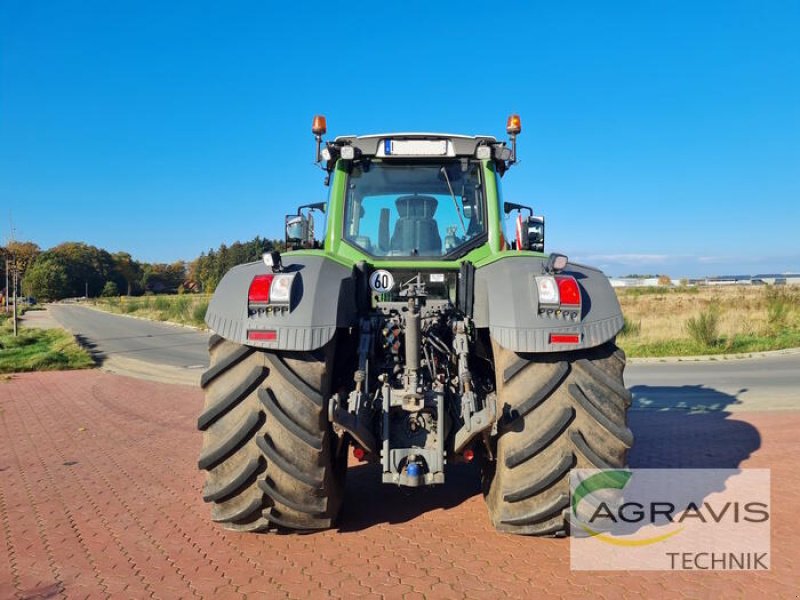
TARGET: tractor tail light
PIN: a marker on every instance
(568, 290)
(271, 289)
(259, 289)
(264, 335)
(565, 338)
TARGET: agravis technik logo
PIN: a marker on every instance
(715, 519)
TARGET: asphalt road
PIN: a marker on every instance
(137, 346)
(762, 383)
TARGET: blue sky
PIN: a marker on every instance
(657, 137)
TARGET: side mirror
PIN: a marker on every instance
(536, 233)
(300, 227)
(530, 233)
(509, 207)
(296, 231)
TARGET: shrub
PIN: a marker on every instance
(131, 306)
(110, 289)
(780, 303)
(704, 328)
(161, 304)
(199, 312)
(180, 308)
(631, 327)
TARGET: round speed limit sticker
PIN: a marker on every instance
(381, 281)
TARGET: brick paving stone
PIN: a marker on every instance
(100, 497)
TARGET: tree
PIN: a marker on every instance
(47, 279)
(163, 278)
(87, 269)
(129, 269)
(110, 289)
(23, 254)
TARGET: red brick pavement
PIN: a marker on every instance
(100, 498)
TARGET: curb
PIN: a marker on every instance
(140, 369)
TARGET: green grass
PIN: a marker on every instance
(633, 292)
(39, 350)
(183, 309)
(737, 344)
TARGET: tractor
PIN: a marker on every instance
(414, 333)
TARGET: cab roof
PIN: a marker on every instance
(376, 144)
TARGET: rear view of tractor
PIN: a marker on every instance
(414, 333)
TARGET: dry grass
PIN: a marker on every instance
(185, 309)
(749, 318)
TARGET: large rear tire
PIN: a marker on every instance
(559, 412)
(269, 452)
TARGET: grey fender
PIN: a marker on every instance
(507, 303)
(322, 299)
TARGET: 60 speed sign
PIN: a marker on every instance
(381, 281)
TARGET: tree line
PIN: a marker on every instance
(77, 269)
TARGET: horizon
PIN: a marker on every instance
(653, 139)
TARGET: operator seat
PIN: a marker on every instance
(416, 229)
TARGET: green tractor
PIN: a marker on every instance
(414, 333)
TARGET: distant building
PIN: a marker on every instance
(626, 282)
(779, 278)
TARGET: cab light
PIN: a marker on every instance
(319, 126)
(568, 290)
(266, 335)
(565, 338)
(513, 125)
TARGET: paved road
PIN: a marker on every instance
(732, 385)
(137, 346)
(762, 383)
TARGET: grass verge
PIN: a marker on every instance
(709, 320)
(39, 350)
(183, 309)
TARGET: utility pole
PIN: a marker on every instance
(14, 319)
(14, 278)
(6, 288)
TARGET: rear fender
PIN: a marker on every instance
(323, 299)
(506, 301)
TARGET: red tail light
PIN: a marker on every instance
(265, 335)
(565, 338)
(359, 453)
(259, 289)
(568, 290)
(469, 454)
